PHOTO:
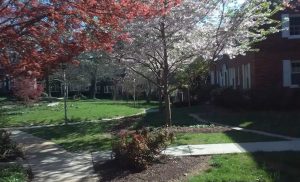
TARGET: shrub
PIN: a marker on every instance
(228, 97)
(9, 150)
(258, 99)
(137, 150)
(27, 90)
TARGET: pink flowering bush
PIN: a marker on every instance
(27, 89)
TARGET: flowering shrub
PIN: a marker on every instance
(137, 150)
(27, 89)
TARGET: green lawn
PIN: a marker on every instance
(21, 115)
(281, 122)
(257, 167)
(82, 137)
(224, 137)
(13, 174)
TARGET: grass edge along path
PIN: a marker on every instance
(80, 111)
(260, 167)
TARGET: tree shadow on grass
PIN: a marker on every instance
(278, 170)
(180, 117)
(278, 166)
(284, 166)
(85, 136)
(91, 145)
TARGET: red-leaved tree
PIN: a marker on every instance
(38, 35)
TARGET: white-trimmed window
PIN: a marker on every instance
(246, 76)
(238, 76)
(212, 77)
(232, 79)
(295, 72)
(291, 74)
(55, 88)
(295, 25)
(98, 88)
(108, 89)
(291, 26)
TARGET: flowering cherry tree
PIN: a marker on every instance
(203, 28)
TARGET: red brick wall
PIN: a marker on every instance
(266, 65)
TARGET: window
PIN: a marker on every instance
(212, 77)
(108, 89)
(295, 74)
(98, 89)
(246, 76)
(291, 26)
(295, 25)
(55, 88)
(232, 79)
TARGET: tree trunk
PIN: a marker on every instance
(165, 77)
(93, 88)
(168, 114)
(160, 100)
(114, 92)
(48, 87)
(148, 93)
(189, 96)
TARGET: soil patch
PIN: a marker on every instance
(209, 129)
(167, 168)
(125, 123)
(128, 123)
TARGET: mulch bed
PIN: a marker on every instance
(126, 123)
(209, 129)
(166, 169)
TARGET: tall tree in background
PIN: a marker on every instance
(207, 29)
(97, 66)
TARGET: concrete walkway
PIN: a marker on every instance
(50, 162)
(227, 148)
(243, 129)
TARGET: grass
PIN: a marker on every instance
(224, 137)
(280, 122)
(83, 137)
(180, 117)
(21, 115)
(259, 167)
(13, 174)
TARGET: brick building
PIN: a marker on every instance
(275, 66)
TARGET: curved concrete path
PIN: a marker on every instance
(50, 162)
(227, 148)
